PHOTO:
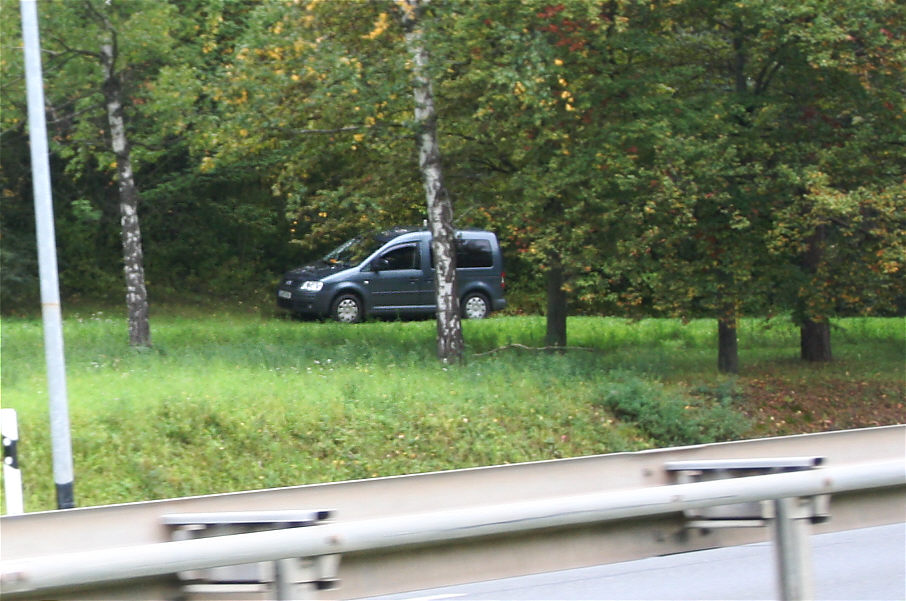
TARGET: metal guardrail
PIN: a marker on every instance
(79, 569)
(491, 525)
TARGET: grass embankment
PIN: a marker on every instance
(232, 402)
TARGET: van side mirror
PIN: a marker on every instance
(380, 264)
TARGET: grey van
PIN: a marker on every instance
(392, 272)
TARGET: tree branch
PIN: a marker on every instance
(57, 117)
(340, 130)
(336, 130)
(537, 348)
(770, 68)
(69, 49)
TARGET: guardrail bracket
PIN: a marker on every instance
(290, 578)
(789, 517)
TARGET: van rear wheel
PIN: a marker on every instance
(347, 308)
(475, 305)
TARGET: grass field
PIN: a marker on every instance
(235, 401)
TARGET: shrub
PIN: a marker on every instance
(668, 418)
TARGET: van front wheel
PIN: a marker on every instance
(475, 305)
(347, 308)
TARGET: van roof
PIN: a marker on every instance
(390, 234)
(393, 232)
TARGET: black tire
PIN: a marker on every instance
(475, 305)
(347, 308)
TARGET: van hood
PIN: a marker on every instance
(314, 272)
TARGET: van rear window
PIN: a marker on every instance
(471, 253)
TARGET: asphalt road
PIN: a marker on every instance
(866, 564)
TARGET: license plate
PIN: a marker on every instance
(284, 294)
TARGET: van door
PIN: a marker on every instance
(397, 278)
(427, 296)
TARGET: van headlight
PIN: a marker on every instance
(311, 286)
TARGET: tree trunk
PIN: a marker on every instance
(440, 209)
(727, 345)
(814, 341)
(814, 332)
(556, 303)
(133, 258)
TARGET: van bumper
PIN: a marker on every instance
(303, 303)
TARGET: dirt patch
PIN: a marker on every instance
(780, 407)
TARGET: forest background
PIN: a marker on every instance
(688, 159)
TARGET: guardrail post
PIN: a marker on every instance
(787, 516)
(12, 475)
(792, 517)
(283, 588)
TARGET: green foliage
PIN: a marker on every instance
(318, 93)
(671, 420)
(18, 255)
(687, 159)
(541, 147)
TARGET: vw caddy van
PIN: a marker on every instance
(392, 273)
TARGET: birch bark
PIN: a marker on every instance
(440, 209)
(133, 257)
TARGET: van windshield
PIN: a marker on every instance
(354, 251)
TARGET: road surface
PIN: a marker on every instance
(866, 564)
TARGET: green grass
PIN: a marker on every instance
(236, 401)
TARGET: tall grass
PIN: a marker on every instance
(231, 401)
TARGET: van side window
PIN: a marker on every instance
(471, 253)
(401, 257)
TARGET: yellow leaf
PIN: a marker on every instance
(380, 27)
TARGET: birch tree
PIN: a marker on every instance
(133, 256)
(440, 209)
(103, 56)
